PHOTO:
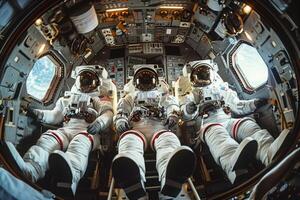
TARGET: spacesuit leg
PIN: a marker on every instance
(268, 147)
(34, 164)
(70, 166)
(174, 163)
(227, 153)
(128, 166)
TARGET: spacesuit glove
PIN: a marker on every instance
(260, 102)
(32, 113)
(171, 121)
(122, 125)
(191, 107)
(95, 127)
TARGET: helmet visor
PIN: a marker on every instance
(145, 79)
(200, 76)
(88, 81)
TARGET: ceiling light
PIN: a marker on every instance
(41, 49)
(38, 22)
(248, 36)
(247, 9)
(116, 9)
(171, 7)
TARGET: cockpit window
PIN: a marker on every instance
(249, 67)
(6, 14)
(42, 77)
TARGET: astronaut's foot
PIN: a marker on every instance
(279, 143)
(10, 151)
(127, 175)
(61, 172)
(238, 176)
(179, 168)
(245, 153)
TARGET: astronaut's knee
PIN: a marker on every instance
(165, 136)
(163, 133)
(213, 127)
(248, 125)
(50, 139)
(84, 137)
(133, 135)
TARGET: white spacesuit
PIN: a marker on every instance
(140, 121)
(85, 115)
(232, 142)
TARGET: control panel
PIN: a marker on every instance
(116, 71)
(132, 60)
(174, 67)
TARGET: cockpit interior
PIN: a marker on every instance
(255, 45)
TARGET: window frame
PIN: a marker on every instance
(56, 80)
(243, 83)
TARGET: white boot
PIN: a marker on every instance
(34, 164)
(69, 167)
(128, 167)
(274, 148)
(268, 148)
(227, 153)
(238, 175)
(180, 167)
(26, 168)
(174, 163)
(127, 175)
(61, 170)
(244, 154)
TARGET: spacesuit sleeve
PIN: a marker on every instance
(104, 107)
(125, 104)
(237, 106)
(54, 116)
(124, 108)
(170, 104)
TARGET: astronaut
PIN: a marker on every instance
(232, 142)
(139, 121)
(85, 115)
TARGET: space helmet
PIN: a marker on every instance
(145, 79)
(201, 72)
(88, 78)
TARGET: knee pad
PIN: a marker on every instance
(53, 138)
(209, 127)
(134, 135)
(84, 136)
(164, 135)
(244, 125)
